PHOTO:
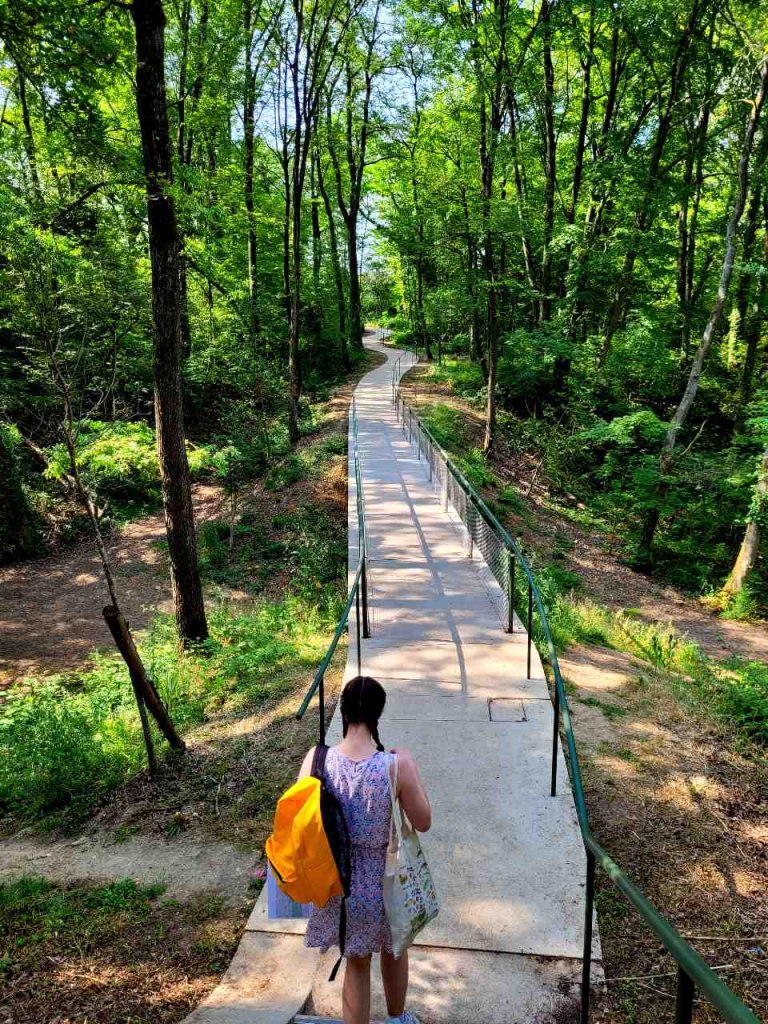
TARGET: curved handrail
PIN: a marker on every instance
(317, 682)
(358, 591)
(692, 968)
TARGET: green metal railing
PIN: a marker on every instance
(501, 553)
(357, 596)
(407, 359)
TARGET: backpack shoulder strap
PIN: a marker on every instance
(318, 761)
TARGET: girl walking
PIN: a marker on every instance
(358, 773)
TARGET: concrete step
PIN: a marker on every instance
(460, 986)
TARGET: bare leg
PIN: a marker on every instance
(394, 974)
(357, 990)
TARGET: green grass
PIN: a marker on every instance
(465, 379)
(305, 462)
(311, 548)
(67, 741)
(735, 692)
(34, 911)
(611, 711)
(446, 425)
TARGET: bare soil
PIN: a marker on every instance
(50, 609)
(183, 864)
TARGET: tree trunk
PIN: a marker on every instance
(149, 21)
(421, 323)
(550, 173)
(248, 140)
(586, 102)
(144, 690)
(681, 414)
(754, 329)
(750, 546)
(355, 313)
(29, 141)
(645, 215)
(338, 277)
(294, 356)
(521, 201)
(747, 326)
(317, 253)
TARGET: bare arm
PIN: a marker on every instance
(410, 790)
(306, 765)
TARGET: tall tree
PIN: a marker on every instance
(313, 38)
(694, 377)
(151, 103)
(358, 75)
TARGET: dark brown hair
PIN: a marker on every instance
(362, 702)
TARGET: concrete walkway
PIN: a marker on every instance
(507, 857)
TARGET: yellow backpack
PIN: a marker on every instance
(309, 850)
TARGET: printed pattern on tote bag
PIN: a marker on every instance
(410, 899)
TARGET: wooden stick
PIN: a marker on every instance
(118, 627)
(658, 991)
(667, 974)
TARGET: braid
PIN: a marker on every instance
(375, 733)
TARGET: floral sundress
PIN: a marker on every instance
(362, 789)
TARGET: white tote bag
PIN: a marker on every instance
(410, 900)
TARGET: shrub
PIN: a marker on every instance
(119, 460)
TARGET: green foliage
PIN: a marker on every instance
(288, 472)
(465, 378)
(744, 604)
(118, 460)
(474, 466)
(33, 911)
(739, 693)
(20, 523)
(68, 740)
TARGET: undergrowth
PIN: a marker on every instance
(68, 740)
(736, 691)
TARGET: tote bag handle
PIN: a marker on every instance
(397, 820)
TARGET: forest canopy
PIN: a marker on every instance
(565, 201)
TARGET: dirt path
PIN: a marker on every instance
(50, 610)
(185, 866)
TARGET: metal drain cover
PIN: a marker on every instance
(506, 709)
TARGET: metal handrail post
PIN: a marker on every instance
(357, 625)
(322, 709)
(510, 590)
(555, 738)
(586, 962)
(684, 1001)
(530, 624)
(364, 580)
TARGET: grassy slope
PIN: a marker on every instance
(671, 744)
